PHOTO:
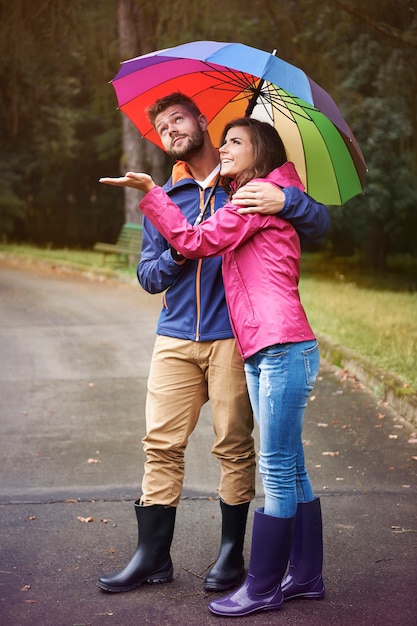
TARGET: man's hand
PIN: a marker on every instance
(136, 180)
(263, 198)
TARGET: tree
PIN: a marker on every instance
(374, 85)
(56, 121)
(136, 22)
(61, 130)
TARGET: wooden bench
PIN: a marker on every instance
(127, 246)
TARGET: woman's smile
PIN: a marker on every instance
(236, 153)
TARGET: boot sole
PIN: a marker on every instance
(259, 609)
(306, 596)
(220, 587)
(157, 580)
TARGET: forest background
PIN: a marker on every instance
(60, 128)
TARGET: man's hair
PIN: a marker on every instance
(268, 150)
(172, 99)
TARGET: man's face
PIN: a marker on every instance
(180, 132)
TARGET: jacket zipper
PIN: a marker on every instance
(198, 272)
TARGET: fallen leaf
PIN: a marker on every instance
(71, 501)
(392, 436)
(412, 440)
(85, 519)
(105, 521)
(108, 613)
(345, 526)
(25, 588)
(340, 479)
(414, 458)
(406, 486)
(331, 453)
(93, 461)
(322, 425)
(32, 517)
(312, 398)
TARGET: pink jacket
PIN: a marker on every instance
(261, 264)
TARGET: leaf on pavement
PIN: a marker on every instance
(85, 519)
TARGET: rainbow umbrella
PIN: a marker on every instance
(230, 80)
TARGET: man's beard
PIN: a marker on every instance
(194, 143)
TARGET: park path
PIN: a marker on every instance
(75, 353)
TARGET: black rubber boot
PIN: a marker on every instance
(151, 563)
(228, 570)
(304, 579)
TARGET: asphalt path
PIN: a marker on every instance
(75, 352)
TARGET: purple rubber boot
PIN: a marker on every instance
(261, 591)
(304, 578)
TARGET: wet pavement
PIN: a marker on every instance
(75, 353)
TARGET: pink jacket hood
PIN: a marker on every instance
(261, 257)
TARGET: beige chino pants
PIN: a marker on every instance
(183, 376)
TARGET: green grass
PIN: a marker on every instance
(79, 259)
(379, 325)
(374, 315)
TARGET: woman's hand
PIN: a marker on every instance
(136, 180)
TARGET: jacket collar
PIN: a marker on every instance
(181, 171)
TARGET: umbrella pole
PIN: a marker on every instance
(254, 98)
(256, 93)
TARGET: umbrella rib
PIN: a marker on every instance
(232, 77)
(244, 81)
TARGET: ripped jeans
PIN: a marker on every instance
(280, 379)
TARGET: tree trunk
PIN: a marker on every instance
(139, 155)
(375, 249)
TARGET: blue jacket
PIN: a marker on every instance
(194, 305)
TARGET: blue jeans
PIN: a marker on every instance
(280, 379)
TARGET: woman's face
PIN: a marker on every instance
(236, 153)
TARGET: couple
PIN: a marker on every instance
(260, 265)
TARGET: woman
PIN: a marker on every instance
(261, 258)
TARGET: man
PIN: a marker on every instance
(195, 358)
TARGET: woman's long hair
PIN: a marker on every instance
(268, 149)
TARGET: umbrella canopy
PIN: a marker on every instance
(230, 80)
